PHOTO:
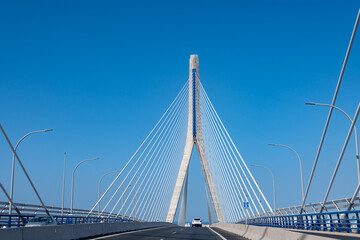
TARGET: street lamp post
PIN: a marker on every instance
(133, 204)
(355, 131)
(259, 196)
(301, 170)
(99, 189)
(129, 204)
(72, 181)
(13, 165)
(273, 183)
(63, 187)
(122, 210)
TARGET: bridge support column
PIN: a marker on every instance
(182, 214)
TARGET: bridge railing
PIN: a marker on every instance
(28, 211)
(341, 221)
(32, 209)
(7, 221)
(330, 206)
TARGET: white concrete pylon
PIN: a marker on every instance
(194, 136)
(182, 213)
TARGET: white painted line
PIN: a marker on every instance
(217, 233)
(118, 234)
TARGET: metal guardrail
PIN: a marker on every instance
(28, 211)
(33, 209)
(7, 221)
(342, 221)
(330, 206)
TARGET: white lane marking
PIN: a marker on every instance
(217, 233)
(118, 234)
(173, 232)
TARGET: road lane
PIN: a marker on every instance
(173, 232)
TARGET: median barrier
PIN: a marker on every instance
(270, 233)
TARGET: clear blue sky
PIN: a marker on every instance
(102, 73)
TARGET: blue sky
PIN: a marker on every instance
(102, 73)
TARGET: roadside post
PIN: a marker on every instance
(246, 206)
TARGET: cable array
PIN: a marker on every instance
(234, 182)
(142, 189)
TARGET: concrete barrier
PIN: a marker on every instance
(74, 231)
(269, 233)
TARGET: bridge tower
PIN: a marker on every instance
(194, 137)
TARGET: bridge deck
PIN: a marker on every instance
(175, 232)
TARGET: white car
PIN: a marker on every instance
(187, 224)
(41, 220)
(196, 222)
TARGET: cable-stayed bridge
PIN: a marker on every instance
(151, 189)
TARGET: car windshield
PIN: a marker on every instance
(196, 219)
(39, 219)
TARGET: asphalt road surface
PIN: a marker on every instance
(174, 232)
